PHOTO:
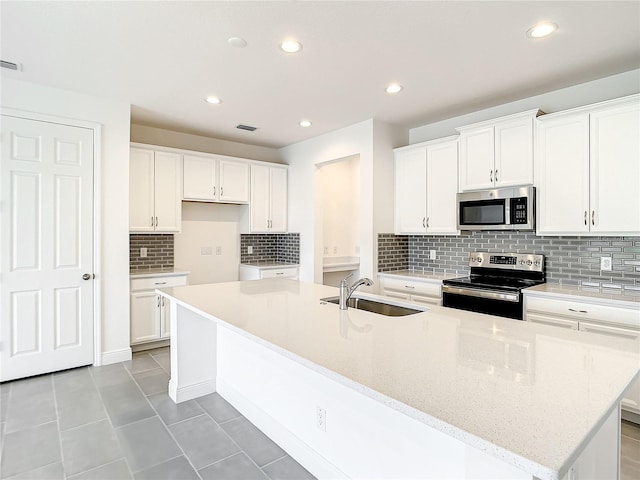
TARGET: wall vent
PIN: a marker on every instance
(249, 128)
(9, 65)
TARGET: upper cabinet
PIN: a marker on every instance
(497, 153)
(268, 199)
(215, 178)
(154, 191)
(588, 170)
(426, 182)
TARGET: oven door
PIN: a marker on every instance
(493, 302)
(490, 214)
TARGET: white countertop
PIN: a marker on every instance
(606, 295)
(419, 275)
(269, 265)
(520, 391)
(157, 272)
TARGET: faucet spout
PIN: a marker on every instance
(346, 291)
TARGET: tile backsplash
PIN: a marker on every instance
(159, 251)
(270, 247)
(569, 260)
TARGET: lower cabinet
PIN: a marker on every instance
(578, 313)
(150, 317)
(256, 272)
(426, 291)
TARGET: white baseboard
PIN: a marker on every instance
(296, 448)
(116, 356)
(190, 392)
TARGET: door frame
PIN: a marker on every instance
(97, 220)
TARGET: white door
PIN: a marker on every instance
(145, 316)
(411, 191)
(260, 199)
(46, 312)
(167, 197)
(278, 206)
(199, 178)
(141, 208)
(234, 181)
(476, 159)
(442, 186)
(514, 153)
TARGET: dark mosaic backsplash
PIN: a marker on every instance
(270, 247)
(569, 260)
(159, 251)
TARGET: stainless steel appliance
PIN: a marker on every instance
(495, 283)
(499, 209)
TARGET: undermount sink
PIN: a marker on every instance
(375, 307)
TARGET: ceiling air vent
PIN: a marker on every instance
(9, 65)
(249, 128)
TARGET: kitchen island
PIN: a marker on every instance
(440, 394)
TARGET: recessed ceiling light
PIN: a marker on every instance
(237, 42)
(213, 100)
(305, 123)
(542, 29)
(291, 46)
(394, 88)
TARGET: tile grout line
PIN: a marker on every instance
(276, 460)
(55, 406)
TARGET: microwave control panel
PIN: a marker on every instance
(519, 210)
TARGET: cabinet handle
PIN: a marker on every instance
(152, 221)
(214, 190)
(279, 273)
(409, 286)
(427, 222)
(221, 191)
(163, 301)
(585, 217)
(160, 283)
(156, 221)
(491, 176)
(424, 222)
(593, 217)
(158, 297)
(578, 311)
(495, 175)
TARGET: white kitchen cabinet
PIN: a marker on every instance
(425, 187)
(150, 312)
(268, 207)
(497, 153)
(418, 290)
(258, 272)
(215, 178)
(588, 170)
(154, 191)
(588, 314)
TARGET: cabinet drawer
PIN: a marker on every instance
(279, 272)
(157, 282)
(581, 311)
(411, 287)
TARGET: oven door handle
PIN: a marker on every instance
(482, 293)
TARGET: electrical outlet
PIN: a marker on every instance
(205, 251)
(321, 419)
(432, 254)
(143, 252)
(605, 264)
(249, 249)
(218, 250)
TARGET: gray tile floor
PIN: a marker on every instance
(117, 422)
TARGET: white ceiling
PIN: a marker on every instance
(452, 57)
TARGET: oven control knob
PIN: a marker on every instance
(529, 262)
(536, 263)
(522, 262)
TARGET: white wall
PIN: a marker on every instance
(169, 138)
(595, 91)
(114, 117)
(376, 188)
(209, 225)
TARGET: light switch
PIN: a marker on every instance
(205, 251)
(143, 252)
(249, 249)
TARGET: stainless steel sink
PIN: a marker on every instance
(374, 307)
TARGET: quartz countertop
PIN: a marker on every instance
(157, 272)
(417, 274)
(606, 295)
(496, 384)
(269, 264)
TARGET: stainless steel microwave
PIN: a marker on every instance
(499, 209)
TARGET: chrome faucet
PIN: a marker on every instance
(346, 291)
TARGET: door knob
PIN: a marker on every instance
(86, 276)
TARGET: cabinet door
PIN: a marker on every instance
(168, 206)
(199, 178)
(476, 159)
(141, 212)
(514, 153)
(260, 199)
(165, 318)
(145, 317)
(562, 175)
(610, 330)
(234, 182)
(411, 191)
(550, 320)
(615, 170)
(442, 186)
(278, 194)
